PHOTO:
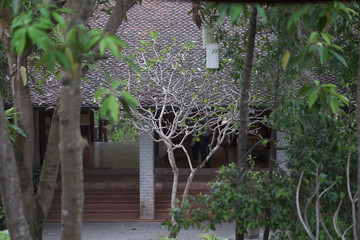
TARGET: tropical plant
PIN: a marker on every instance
(242, 202)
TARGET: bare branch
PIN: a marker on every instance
(306, 226)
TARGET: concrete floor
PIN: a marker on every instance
(132, 231)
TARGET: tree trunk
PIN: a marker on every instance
(71, 143)
(49, 173)
(175, 171)
(10, 185)
(24, 147)
(244, 98)
(71, 149)
(118, 14)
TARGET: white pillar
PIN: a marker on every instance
(147, 179)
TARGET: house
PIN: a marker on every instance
(170, 19)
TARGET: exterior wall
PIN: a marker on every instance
(146, 173)
(281, 157)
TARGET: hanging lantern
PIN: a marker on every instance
(212, 48)
(212, 55)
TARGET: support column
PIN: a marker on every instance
(146, 173)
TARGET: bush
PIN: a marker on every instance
(244, 202)
(124, 131)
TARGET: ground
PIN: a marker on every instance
(133, 231)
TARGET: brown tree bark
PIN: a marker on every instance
(175, 171)
(49, 173)
(71, 141)
(118, 15)
(244, 100)
(10, 184)
(23, 146)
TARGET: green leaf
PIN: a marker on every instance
(305, 89)
(117, 41)
(339, 57)
(39, 37)
(327, 37)
(334, 104)
(43, 79)
(59, 19)
(102, 46)
(93, 41)
(99, 93)
(285, 60)
(116, 84)
(344, 99)
(314, 37)
(114, 44)
(329, 85)
(131, 63)
(110, 106)
(235, 11)
(156, 35)
(313, 97)
(130, 100)
(292, 28)
(324, 55)
(62, 60)
(18, 41)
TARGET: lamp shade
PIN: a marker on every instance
(212, 55)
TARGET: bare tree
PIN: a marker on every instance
(178, 102)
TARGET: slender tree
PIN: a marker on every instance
(19, 42)
(244, 100)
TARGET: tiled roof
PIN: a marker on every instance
(169, 18)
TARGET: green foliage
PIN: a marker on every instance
(211, 236)
(323, 97)
(319, 145)
(4, 235)
(166, 238)
(243, 201)
(10, 114)
(112, 98)
(42, 29)
(315, 20)
(124, 130)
